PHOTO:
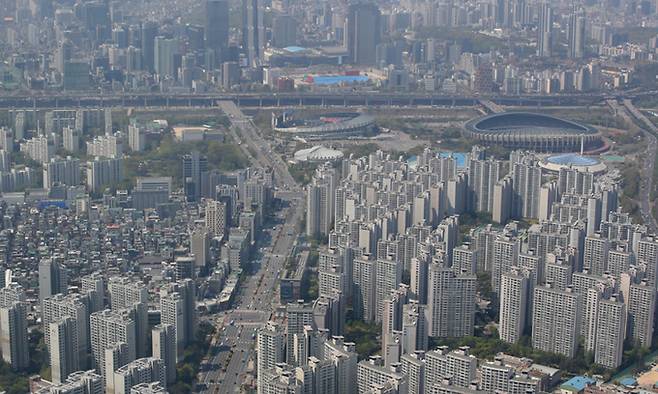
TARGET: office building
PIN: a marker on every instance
(545, 30)
(165, 53)
(577, 35)
(284, 31)
(216, 26)
(362, 33)
(195, 166)
(148, 33)
(253, 30)
(200, 247)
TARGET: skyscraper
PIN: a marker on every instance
(577, 34)
(149, 32)
(545, 31)
(164, 58)
(253, 30)
(362, 33)
(284, 31)
(194, 167)
(216, 26)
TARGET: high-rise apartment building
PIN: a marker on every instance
(450, 303)
(108, 328)
(513, 304)
(555, 318)
(164, 347)
(270, 350)
(13, 335)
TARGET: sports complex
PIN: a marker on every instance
(538, 132)
(323, 127)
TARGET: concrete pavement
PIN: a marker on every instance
(256, 299)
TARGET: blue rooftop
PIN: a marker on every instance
(628, 381)
(577, 383)
(573, 159)
(294, 49)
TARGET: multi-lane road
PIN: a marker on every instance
(256, 300)
(646, 183)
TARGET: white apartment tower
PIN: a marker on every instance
(513, 304)
(555, 318)
(450, 303)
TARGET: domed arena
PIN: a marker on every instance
(538, 132)
(572, 160)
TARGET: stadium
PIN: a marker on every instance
(538, 132)
(555, 163)
(327, 126)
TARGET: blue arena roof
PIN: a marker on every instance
(573, 159)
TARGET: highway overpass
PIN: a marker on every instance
(87, 100)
